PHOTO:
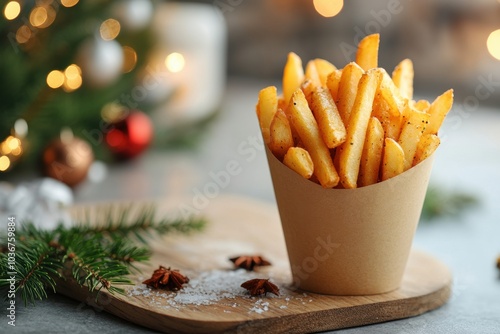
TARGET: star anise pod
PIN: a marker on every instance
(259, 286)
(166, 278)
(249, 262)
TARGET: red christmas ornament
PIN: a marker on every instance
(130, 136)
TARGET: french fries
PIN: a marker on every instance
(299, 160)
(280, 134)
(393, 160)
(351, 150)
(438, 111)
(332, 82)
(403, 78)
(372, 153)
(330, 124)
(426, 146)
(293, 75)
(348, 87)
(350, 127)
(411, 133)
(266, 108)
(324, 68)
(307, 127)
(367, 54)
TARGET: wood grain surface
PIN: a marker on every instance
(244, 226)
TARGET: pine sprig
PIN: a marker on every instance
(117, 223)
(95, 256)
(37, 264)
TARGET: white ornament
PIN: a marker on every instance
(101, 61)
(41, 202)
(133, 14)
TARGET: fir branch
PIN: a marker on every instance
(127, 253)
(118, 223)
(36, 266)
(97, 257)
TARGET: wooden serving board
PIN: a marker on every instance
(243, 226)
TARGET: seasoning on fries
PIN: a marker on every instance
(350, 127)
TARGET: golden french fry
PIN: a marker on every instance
(308, 87)
(332, 82)
(411, 133)
(422, 105)
(352, 148)
(325, 112)
(307, 128)
(312, 74)
(390, 93)
(280, 135)
(299, 160)
(426, 146)
(293, 75)
(392, 160)
(267, 106)
(367, 53)
(324, 68)
(403, 78)
(348, 87)
(438, 111)
(281, 103)
(372, 153)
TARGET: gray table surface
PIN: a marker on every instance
(468, 159)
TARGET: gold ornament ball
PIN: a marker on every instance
(67, 160)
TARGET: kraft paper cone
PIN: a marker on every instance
(349, 241)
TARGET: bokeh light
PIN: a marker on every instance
(69, 3)
(12, 10)
(129, 59)
(175, 62)
(328, 8)
(38, 16)
(55, 79)
(493, 44)
(109, 29)
(4, 163)
(72, 72)
(23, 34)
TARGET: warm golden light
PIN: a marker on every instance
(55, 79)
(72, 72)
(328, 8)
(493, 43)
(23, 34)
(113, 112)
(12, 10)
(72, 84)
(129, 59)
(69, 3)
(4, 163)
(13, 143)
(175, 62)
(109, 29)
(38, 16)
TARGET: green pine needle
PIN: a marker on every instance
(97, 256)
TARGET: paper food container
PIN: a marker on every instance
(349, 241)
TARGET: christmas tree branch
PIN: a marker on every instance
(95, 256)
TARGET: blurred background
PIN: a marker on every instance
(108, 100)
(97, 91)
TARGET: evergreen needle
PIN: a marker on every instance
(97, 252)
